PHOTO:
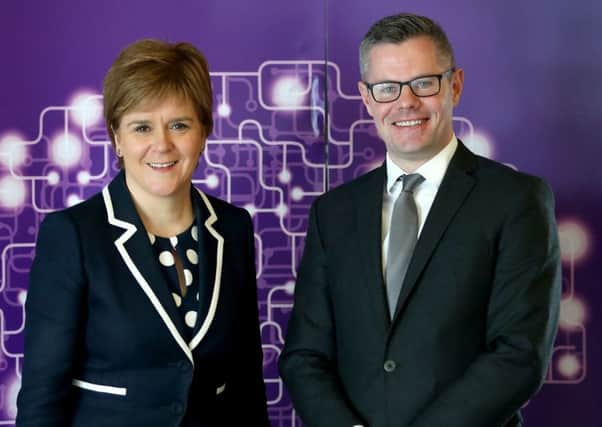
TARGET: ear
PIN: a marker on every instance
(457, 84)
(366, 97)
(117, 143)
(203, 145)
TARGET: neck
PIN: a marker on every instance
(409, 162)
(408, 166)
(165, 217)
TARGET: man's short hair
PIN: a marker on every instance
(399, 28)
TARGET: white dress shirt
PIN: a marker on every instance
(424, 195)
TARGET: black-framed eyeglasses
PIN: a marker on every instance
(422, 87)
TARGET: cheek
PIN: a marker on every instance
(376, 110)
(132, 150)
(442, 108)
(195, 150)
(378, 113)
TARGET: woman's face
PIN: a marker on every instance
(160, 143)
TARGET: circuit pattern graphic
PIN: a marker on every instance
(283, 135)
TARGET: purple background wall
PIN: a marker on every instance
(281, 71)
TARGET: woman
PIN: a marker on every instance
(142, 306)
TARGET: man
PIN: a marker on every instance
(454, 329)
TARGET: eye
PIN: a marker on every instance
(386, 88)
(142, 129)
(179, 126)
(425, 83)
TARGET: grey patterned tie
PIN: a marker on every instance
(403, 233)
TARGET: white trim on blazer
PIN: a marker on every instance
(100, 388)
(130, 230)
(218, 273)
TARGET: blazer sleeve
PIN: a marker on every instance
(521, 321)
(308, 361)
(249, 390)
(54, 312)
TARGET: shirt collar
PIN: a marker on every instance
(432, 171)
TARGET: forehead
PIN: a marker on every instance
(405, 60)
(167, 104)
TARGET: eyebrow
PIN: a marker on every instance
(182, 119)
(146, 122)
(422, 76)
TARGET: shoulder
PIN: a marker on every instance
(501, 178)
(224, 212)
(63, 234)
(500, 191)
(362, 187)
(223, 208)
(491, 175)
(91, 210)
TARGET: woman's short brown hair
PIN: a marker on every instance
(149, 70)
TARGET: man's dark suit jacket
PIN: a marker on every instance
(476, 318)
(104, 341)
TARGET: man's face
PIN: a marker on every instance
(414, 129)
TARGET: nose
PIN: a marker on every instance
(407, 99)
(162, 140)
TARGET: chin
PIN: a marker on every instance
(164, 191)
(412, 151)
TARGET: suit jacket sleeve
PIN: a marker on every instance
(308, 361)
(521, 321)
(249, 390)
(54, 315)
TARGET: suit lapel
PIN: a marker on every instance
(211, 251)
(455, 187)
(137, 253)
(368, 209)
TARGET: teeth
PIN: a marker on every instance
(161, 164)
(406, 123)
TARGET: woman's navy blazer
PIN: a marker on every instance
(105, 344)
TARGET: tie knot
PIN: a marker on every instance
(411, 181)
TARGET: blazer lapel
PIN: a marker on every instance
(136, 252)
(368, 209)
(211, 252)
(455, 187)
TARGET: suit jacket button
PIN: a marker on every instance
(177, 408)
(184, 366)
(389, 366)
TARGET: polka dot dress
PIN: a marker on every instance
(179, 253)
